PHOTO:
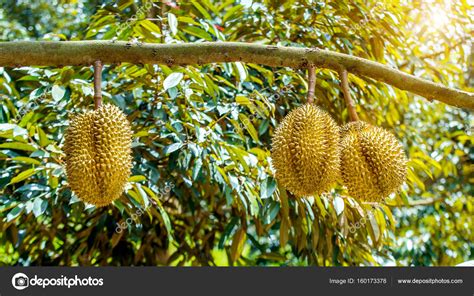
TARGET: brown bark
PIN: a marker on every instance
(57, 53)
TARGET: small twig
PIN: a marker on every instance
(347, 95)
(435, 54)
(162, 14)
(97, 84)
(417, 203)
(311, 83)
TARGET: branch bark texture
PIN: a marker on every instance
(57, 53)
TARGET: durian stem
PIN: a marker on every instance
(97, 84)
(311, 83)
(60, 53)
(347, 95)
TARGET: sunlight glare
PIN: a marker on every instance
(438, 18)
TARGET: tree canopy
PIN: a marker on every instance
(202, 190)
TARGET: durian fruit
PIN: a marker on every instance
(373, 163)
(98, 154)
(305, 151)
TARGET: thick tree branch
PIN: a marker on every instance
(57, 53)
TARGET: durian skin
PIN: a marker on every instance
(305, 151)
(98, 154)
(373, 163)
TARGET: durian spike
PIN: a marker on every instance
(97, 84)
(347, 95)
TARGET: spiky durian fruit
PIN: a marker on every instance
(98, 160)
(373, 162)
(305, 151)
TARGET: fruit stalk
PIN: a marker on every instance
(347, 95)
(311, 83)
(97, 84)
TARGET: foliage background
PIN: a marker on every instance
(202, 191)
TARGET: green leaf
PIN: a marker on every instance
(223, 174)
(375, 233)
(338, 205)
(150, 26)
(389, 215)
(20, 132)
(172, 80)
(172, 23)
(198, 33)
(23, 175)
(413, 178)
(267, 188)
(197, 168)
(172, 148)
(137, 178)
(201, 9)
(242, 100)
(134, 195)
(43, 139)
(39, 153)
(58, 92)
(7, 126)
(233, 12)
(284, 229)
(320, 205)
(143, 195)
(227, 231)
(15, 212)
(188, 20)
(28, 78)
(18, 146)
(249, 126)
(421, 165)
(39, 206)
(164, 215)
(284, 202)
(25, 159)
(238, 243)
(241, 70)
(380, 218)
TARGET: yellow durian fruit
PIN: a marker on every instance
(373, 163)
(98, 154)
(305, 151)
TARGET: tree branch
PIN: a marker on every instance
(58, 53)
(347, 94)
